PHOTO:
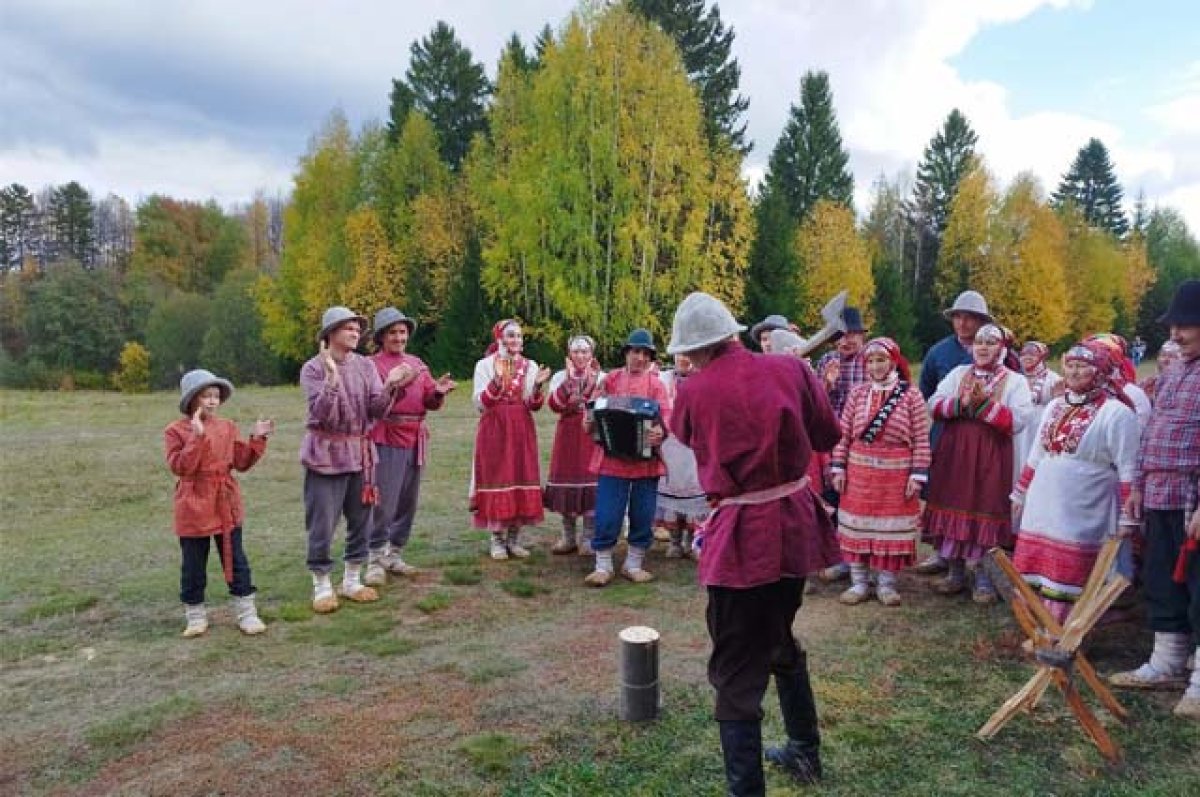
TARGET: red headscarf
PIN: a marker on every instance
(1124, 370)
(498, 335)
(1100, 355)
(889, 347)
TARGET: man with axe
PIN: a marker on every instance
(753, 421)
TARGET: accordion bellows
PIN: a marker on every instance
(622, 425)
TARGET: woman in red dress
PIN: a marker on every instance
(506, 483)
(982, 405)
(571, 486)
(878, 468)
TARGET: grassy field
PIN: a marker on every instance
(475, 678)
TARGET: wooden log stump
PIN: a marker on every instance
(639, 673)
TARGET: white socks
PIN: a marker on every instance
(634, 558)
(604, 560)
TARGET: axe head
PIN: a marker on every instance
(831, 313)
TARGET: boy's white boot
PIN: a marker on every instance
(197, 619)
(247, 615)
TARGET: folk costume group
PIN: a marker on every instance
(766, 470)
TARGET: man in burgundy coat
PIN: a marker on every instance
(754, 421)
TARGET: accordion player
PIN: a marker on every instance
(622, 424)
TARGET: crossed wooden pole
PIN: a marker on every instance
(1056, 648)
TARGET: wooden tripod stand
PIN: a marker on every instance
(1056, 648)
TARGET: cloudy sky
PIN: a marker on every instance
(218, 98)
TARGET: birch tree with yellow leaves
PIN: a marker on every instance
(832, 257)
(601, 204)
(1025, 280)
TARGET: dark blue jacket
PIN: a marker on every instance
(942, 358)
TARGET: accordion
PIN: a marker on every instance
(621, 425)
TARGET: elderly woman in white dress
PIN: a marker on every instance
(1068, 498)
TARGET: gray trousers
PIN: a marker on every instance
(326, 499)
(399, 480)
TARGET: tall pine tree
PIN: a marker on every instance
(705, 43)
(443, 83)
(1092, 187)
(947, 158)
(17, 212)
(71, 218)
(809, 163)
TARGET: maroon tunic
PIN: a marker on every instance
(753, 421)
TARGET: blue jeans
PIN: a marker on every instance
(613, 496)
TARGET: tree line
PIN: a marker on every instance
(588, 188)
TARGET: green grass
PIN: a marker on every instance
(462, 576)
(434, 602)
(493, 754)
(472, 678)
(70, 603)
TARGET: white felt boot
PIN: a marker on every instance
(197, 619)
(247, 615)
(354, 589)
(324, 601)
(1166, 669)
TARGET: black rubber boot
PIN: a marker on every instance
(741, 744)
(801, 756)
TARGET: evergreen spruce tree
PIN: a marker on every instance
(17, 211)
(772, 261)
(448, 87)
(544, 39)
(1091, 186)
(71, 218)
(463, 333)
(515, 50)
(947, 158)
(809, 163)
(704, 43)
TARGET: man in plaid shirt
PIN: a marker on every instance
(1165, 488)
(841, 370)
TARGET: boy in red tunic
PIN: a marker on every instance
(753, 421)
(202, 451)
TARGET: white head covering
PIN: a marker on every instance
(701, 320)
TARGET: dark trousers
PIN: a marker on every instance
(194, 578)
(326, 500)
(751, 632)
(399, 480)
(1171, 607)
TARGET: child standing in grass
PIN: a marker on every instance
(203, 450)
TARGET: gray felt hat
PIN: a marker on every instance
(768, 324)
(701, 320)
(334, 317)
(195, 381)
(386, 318)
(969, 302)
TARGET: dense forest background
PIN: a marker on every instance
(592, 185)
